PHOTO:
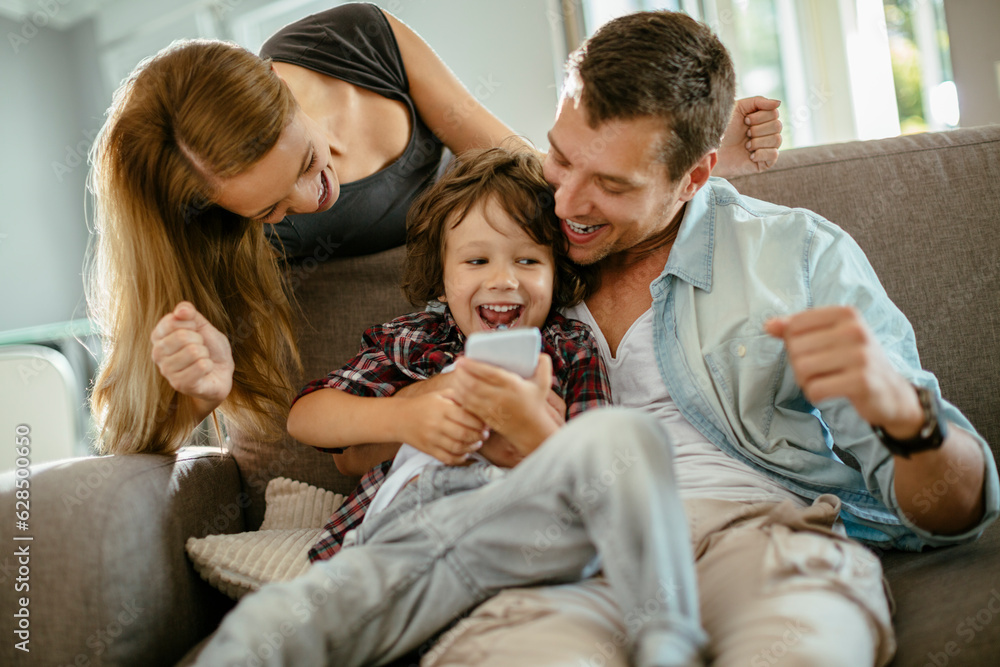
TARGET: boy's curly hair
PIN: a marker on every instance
(512, 177)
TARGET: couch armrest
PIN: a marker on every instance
(109, 579)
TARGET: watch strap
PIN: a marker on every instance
(931, 435)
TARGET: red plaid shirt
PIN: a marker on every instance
(420, 345)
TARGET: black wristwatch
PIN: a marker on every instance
(931, 435)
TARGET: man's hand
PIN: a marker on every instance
(556, 407)
(751, 141)
(833, 354)
(193, 356)
(435, 423)
(516, 408)
(498, 451)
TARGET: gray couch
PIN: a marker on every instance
(110, 583)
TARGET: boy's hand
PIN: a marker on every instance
(435, 424)
(193, 355)
(514, 407)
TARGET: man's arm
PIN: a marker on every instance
(359, 459)
(834, 354)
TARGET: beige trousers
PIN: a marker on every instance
(777, 584)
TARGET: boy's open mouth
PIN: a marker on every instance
(499, 315)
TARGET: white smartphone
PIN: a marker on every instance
(515, 350)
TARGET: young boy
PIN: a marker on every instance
(485, 242)
(598, 495)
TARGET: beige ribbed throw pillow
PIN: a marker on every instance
(294, 516)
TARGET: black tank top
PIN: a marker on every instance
(355, 43)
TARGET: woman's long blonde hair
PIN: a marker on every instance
(159, 239)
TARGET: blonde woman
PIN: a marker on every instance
(206, 145)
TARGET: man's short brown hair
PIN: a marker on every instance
(513, 179)
(661, 64)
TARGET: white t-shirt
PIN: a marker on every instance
(702, 469)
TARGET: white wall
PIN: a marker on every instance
(502, 52)
(975, 58)
(47, 121)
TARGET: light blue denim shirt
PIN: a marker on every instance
(735, 263)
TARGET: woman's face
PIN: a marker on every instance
(295, 176)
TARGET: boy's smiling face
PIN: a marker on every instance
(494, 274)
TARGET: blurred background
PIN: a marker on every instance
(845, 70)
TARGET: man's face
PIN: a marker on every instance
(612, 195)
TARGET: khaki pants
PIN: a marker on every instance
(777, 586)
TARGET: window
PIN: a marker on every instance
(921, 65)
(844, 69)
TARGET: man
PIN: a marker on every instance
(760, 337)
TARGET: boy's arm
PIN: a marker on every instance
(433, 423)
(331, 418)
(360, 406)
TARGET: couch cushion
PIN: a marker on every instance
(293, 522)
(926, 210)
(948, 603)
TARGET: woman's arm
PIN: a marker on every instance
(454, 115)
(751, 141)
(194, 357)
